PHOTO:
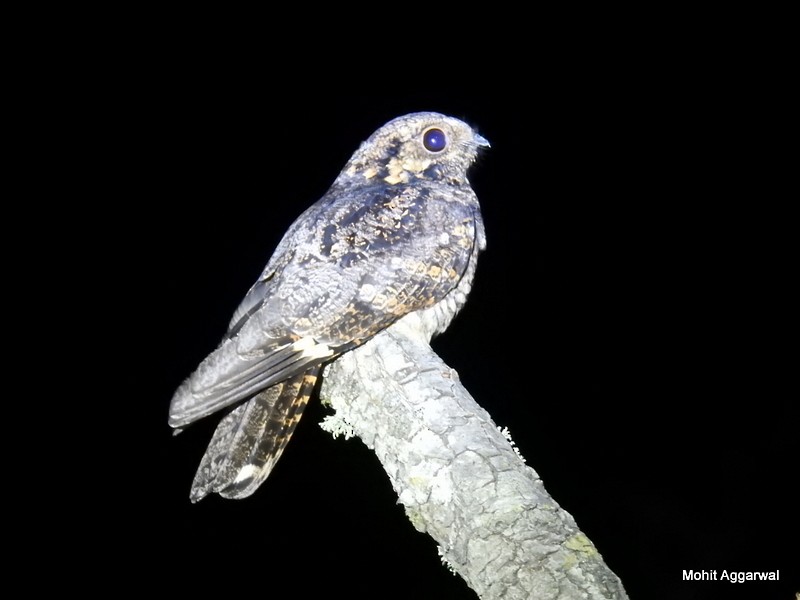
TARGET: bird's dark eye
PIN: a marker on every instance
(434, 140)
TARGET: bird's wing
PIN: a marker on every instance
(229, 375)
(342, 276)
(251, 438)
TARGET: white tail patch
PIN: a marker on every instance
(247, 472)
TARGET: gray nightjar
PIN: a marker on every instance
(398, 232)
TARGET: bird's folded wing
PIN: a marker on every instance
(319, 308)
(229, 375)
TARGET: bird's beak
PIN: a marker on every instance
(481, 141)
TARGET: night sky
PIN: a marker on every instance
(618, 327)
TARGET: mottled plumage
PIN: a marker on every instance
(399, 231)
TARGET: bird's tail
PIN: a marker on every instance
(250, 439)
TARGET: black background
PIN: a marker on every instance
(624, 323)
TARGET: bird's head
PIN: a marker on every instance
(424, 145)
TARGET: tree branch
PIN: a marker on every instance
(457, 475)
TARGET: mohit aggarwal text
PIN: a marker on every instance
(732, 576)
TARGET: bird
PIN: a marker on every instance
(397, 233)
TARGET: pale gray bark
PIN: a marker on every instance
(457, 475)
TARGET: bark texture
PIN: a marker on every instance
(459, 478)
